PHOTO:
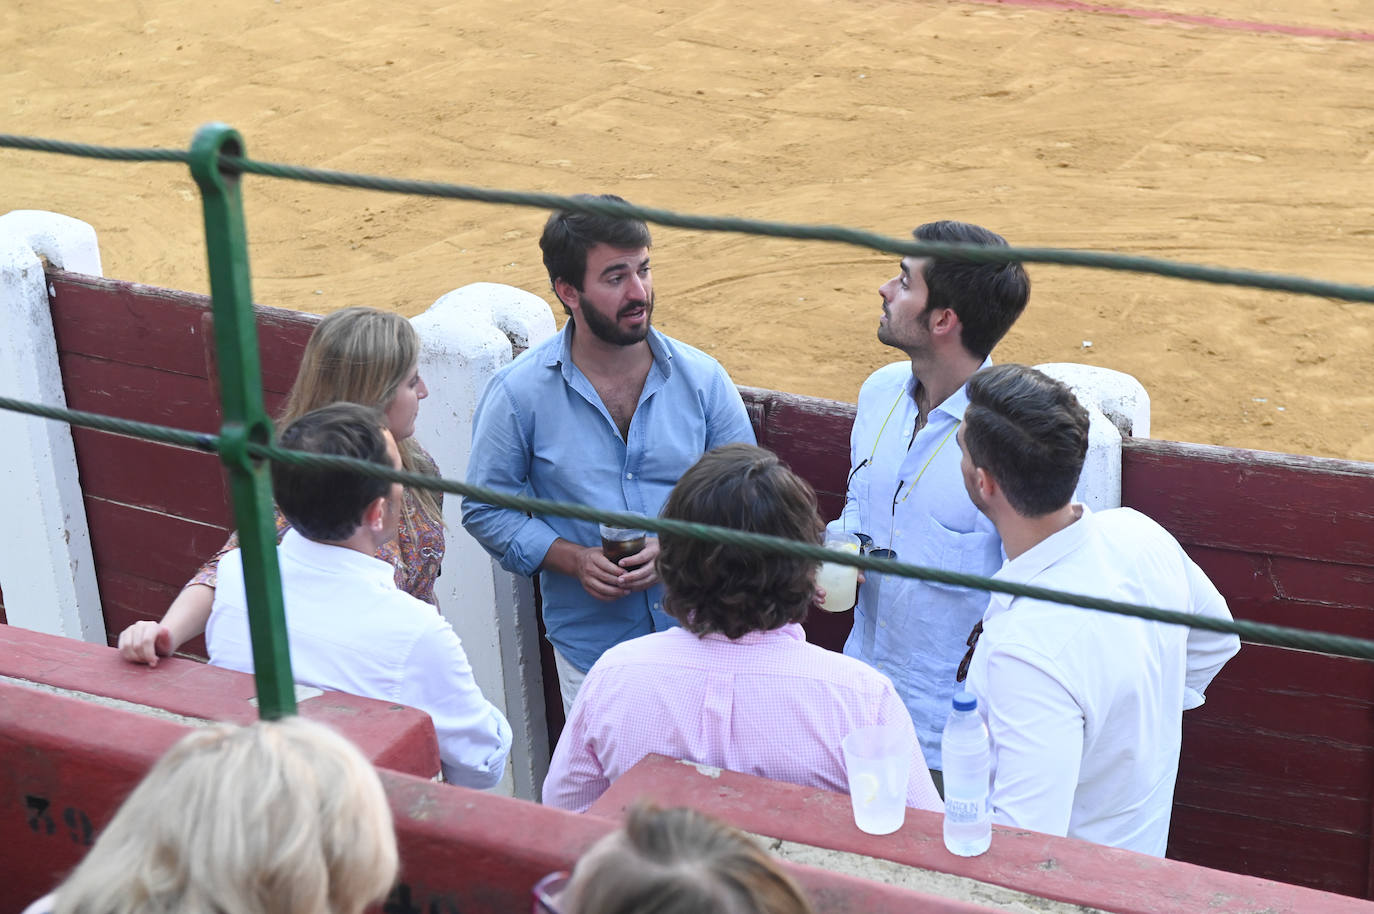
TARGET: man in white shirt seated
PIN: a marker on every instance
(1084, 707)
(350, 628)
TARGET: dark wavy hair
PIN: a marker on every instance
(568, 236)
(725, 589)
(987, 297)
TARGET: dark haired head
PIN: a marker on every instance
(1029, 432)
(987, 297)
(678, 861)
(569, 236)
(717, 588)
(328, 505)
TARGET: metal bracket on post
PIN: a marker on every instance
(245, 419)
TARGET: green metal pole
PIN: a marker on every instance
(245, 418)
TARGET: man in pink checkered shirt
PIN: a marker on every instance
(737, 686)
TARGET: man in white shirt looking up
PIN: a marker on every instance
(904, 491)
(1085, 707)
(350, 628)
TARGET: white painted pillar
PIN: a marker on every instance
(466, 336)
(46, 570)
(1118, 406)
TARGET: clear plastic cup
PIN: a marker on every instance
(621, 542)
(840, 582)
(878, 762)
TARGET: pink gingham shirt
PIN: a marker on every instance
(767, 704)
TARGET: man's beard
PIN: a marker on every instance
(608, 329)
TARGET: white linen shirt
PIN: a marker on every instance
(351, 630)
(1085, 708)
(912, 499)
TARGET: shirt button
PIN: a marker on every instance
(629, 476)
(658, 606)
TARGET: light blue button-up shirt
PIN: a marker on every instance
(542, 430)
(913, 500)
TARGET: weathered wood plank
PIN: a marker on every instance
(127, 599)
(161, 328)
(811, 435)
(1254, 501)
(135, 392)
(1274, 776)
(1311, 857)
(129, 322)
(148, 544)
(1320, 596)
(160, 477)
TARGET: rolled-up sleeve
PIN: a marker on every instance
(1208, 651)
(474, 736)
(500, 460)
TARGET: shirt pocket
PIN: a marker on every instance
(975, 552)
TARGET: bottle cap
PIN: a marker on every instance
(965, 701)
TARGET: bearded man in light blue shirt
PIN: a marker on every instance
(905, 489)
(609, 413)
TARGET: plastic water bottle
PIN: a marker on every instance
(967, 757)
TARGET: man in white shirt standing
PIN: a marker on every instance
(904, 489)
(1085, 708)
(350, 628)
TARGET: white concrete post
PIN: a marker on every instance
(466, 336)
(46, 570)
(1118, 407)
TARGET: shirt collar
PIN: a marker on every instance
(792, 631)
(1031, 563)
(330, 558)
(956, 403)
(562, 353)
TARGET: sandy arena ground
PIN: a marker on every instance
(1218, 143)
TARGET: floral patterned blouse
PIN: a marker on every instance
(416, 553)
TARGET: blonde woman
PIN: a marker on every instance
(672, 861)
(357, 355)
(282, 817)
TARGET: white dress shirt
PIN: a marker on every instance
(908, 495)
(351, 630)
(1085, 708)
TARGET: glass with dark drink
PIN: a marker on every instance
(620, 542)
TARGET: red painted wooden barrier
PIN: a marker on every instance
(1062, 869)
(1276, 773)
(66, 765)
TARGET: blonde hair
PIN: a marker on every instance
(678, 861)
(282, 817)
(362, 355)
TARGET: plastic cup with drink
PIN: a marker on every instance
(621, 542)
(840, 582)
(878, 762)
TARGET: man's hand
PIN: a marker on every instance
(145, 642)
(600, 576)
(639, 570)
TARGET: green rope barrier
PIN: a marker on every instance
(974, 253)
(1253, 632)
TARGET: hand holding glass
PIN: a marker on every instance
(621, 542)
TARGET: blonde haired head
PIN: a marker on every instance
(679, 861)
(282, 817)
(361, 355)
